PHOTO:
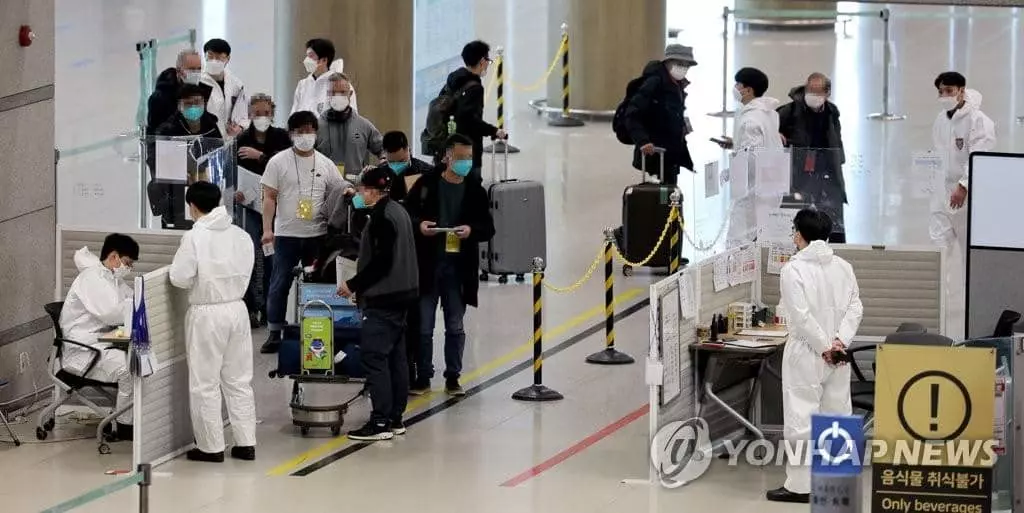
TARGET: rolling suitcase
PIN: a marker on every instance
(517, 207)
(645, 208)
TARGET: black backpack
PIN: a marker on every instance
(619, 119)
(439, 112)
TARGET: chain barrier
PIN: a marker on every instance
(672, 216)
(714, 242)
(547, 74)
(579, 283)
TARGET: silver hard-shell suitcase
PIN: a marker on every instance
(517, 207)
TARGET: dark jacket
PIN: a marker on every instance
(656, 114)
(398, 188)
(167, 200)
(277, 140)
(795, 124)
(469, 111)
(176, 126)
(386, 272)
(163, 103)
(423, 204)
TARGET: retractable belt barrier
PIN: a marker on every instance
(143, 477)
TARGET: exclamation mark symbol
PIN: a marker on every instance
(935, 407)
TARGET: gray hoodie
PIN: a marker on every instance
(348, 139)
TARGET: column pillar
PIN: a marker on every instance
(601, 64)
(375, 38)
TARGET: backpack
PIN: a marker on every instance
(619, 119)
(439, 113)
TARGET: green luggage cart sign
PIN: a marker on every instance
(317, 344)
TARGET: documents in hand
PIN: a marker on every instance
(249, 185)
(345, 268)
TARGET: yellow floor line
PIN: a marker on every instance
(485, 369)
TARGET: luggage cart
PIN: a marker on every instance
(317, 353)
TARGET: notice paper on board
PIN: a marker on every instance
(171, 162)
(743, 266)
(721, 272)
(711, 184)
(687, 296)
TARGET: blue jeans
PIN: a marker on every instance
(448, 291)
(256, 298)
(288, 253)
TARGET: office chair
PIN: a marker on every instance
(3, 418)
(1004, 326)
(68, 386)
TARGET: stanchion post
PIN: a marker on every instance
(609, 355)
(886, 114)
(192, 38)
(147, 479)
(676, 247)
(565, 119)
(725, 112)
(499, 78)
(537, 391)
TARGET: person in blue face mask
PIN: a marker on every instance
(407, 169)
(449, 208)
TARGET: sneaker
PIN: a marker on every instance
(420, 387)
(273, 343)
(243, 452)
(371, 432)
(398, 427)
(453, 388)
(207, 457)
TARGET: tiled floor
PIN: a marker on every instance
(457, 458)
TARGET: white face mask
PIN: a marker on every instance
(814, 101)
(121, 272)
(309, 64)
(678, 71)
(261, 123)
(737, 95)
(192, 77)
(215, 67)
(304, 142)
(339, 103)
(948, 103)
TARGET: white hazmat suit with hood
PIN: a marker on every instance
(313, 94)
(755, 128)
(214, 262)
(968, 130)
(98, 300)
(821, 302)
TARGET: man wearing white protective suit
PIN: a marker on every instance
(755, 128)
(98, 300)
(821, 302)
(313, 93)
(960, 128)
(215, 262)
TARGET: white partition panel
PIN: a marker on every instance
(156, 249)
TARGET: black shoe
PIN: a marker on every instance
(208, 457)
(420, 387)
(125, 432)
(372, 432)
(398, 427)
(254, 320)
(453, 388)
(781, 494)
(243, 452)
(272, 344)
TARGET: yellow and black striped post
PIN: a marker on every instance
(565, 119)
(677, 235)
(499, 78)
(609, 355)
(537, 391)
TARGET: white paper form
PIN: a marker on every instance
(743, 266)
(776, 225)
(171, 161)
(721, 272)
(778, 255)
(772, 172)
(345, 269)
(687, 296)
(672, 373)
(711, 179)
(249, 185)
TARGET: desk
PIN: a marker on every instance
(720, 367)
(116, 338)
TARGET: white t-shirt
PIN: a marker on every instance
(296, 178)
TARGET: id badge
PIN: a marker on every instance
(451, 243)
(304, 210)
(341, 170)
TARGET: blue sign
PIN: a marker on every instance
(837, 444)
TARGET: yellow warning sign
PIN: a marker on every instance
(937, 400)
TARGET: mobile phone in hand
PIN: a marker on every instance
(838, 357)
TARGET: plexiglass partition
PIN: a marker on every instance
(174, 163)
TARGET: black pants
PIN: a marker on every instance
(412, 340)
(383, 355)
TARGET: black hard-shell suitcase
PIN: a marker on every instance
(645, 208)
